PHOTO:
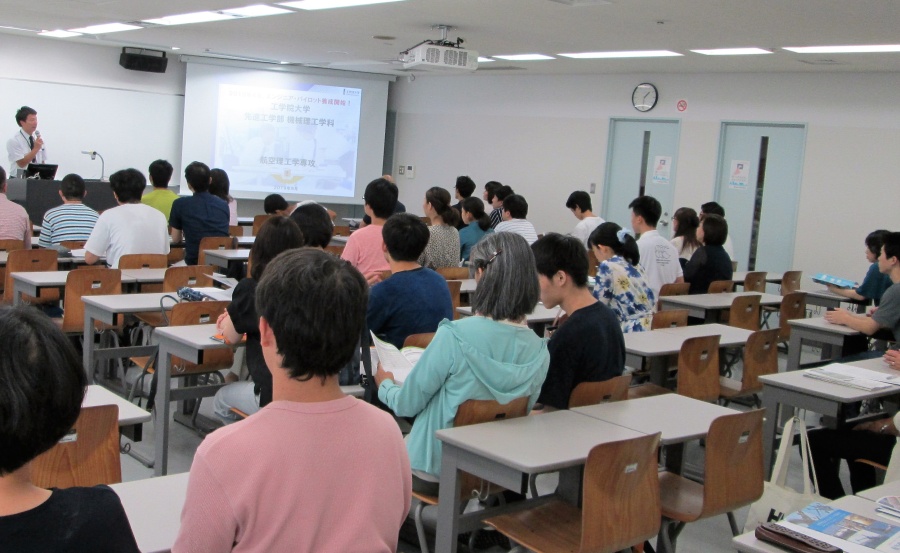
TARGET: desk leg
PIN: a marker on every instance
(659, 369)
(87, 347)
(794, 347)
(448, 502)
(770, 424)
(17, 293)
(161, 412)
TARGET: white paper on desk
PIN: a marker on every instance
(216, 293)
(859, 372)
(78, 253)
(844, 380)
(399, 362)
(223, 280)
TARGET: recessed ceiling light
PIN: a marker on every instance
(623, 54)
(525, 57)
(59, 33)
(188, 18)
(860, 49)
(105, 28)
(732, 52)
(176, 48)
(256, 10)
(484, 60)
(328, 4)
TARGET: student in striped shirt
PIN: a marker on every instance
(71, 221)
(515, 209)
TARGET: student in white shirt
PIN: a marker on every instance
(659, 258)
(579, 203)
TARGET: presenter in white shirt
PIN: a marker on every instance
(26, 146)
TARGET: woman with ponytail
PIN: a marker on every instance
(620, 281)
(443, 244)
(478, 223)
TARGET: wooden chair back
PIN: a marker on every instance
(721, 287)
(793, 306)
(621, 505)
(455, 286)
(213, 243)
(670, 318)
(88, 457)
(453, 273)
(592, 393)
(258, 222)
(744, 312)
(419, 340)
(733, 447)
(24, 261)
(674, 289)
(235, 231)
(341, 230)
(698, 368)
(755, 282)
(760, 359)
(336, 250)
(11, 245)
(196, 313)
(176, 254)
(189, 275)
(593, 263)
(73, 244)
(87, 282)
(144, 261)
(790, 282)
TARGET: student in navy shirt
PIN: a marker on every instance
(875, 282)
(199, 216)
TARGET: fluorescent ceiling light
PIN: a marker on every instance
(256, 10)
(484, 60)
(18, 29)
(860, 49)
(328, 4)
(59, 33)
(733, 52)
(623, 54)
(106, 28)
(525, 57)
(188, 18)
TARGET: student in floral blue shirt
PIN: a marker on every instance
(620, 281)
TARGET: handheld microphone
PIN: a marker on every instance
(37, 133)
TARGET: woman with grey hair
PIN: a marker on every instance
(491, 355)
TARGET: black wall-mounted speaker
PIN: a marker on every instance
(139, 59)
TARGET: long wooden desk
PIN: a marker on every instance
(153, 506)
(709, 306)
(820, 331)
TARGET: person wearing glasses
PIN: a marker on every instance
(491, 355)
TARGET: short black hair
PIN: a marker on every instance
(381, 196)
(2, 177)
(276, 235)
(273, 203)
(72, 187)
(491, 187)
(579, 199)
(516, 206)
(42, 385)
(23, 113)
(315, 223)
(219, 184)
(315, 304)
(128, 185)
(875, 239)
(197, 176)
(465, 186)
(891, 245)
(160, 173)
(554, 252)
(405, 236)
(503, 192)
(712, 208)
(647, 207)
(715, 230)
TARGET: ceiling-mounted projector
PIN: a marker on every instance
(440, 55)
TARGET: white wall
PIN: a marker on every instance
(547, 136)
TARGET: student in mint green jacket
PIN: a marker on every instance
(492, 355)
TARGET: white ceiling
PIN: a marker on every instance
(343, 38)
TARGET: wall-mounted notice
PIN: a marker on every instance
(662, 170)
(740, 174)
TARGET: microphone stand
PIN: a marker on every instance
(94, 155)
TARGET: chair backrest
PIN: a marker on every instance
(24, 261)
(87, 282)
(88, 457)
(214, 243)
(593, 263)
(11, 245)
(73, 244)
(336, 250)
(258, 222)
(341, 230)
(144, 261)
(669, 318)
(744, 312)
(419, 340)
(721, 287)
(188, 275)
(235, 231)
(176, 254)
(793, 306)
(455, 286)
(733, 447)
(592, 393)
(621, 495)
(674, 289)
(453, 273)
(196, 313)
(698, 368)
(760, 358)
(755, 282)
(790, 282)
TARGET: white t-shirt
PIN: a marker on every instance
(659, 258)
(127, 229)
(585, 227)
(17, 147)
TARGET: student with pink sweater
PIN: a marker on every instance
(315, 470)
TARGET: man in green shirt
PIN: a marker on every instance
(161, 198)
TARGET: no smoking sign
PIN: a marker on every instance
(681, 105)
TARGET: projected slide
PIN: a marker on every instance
(302, 140)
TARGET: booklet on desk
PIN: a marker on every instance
(851, 532)
(822, 278)
(398, 361)
(854, 377)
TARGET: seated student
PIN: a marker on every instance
(42, 384)
(515, 209)
(275, 204)
(684, 224)
(620, 281)
(443, 245)
(276, 235)
(315, 470)
(219, 186)
(161, 198)
(492, 355)
(579, 203)
(465, 186)
(710, 262)
(659, 258)
(495, 198)
(315, 223)
(875, 282)
(588, 346)
(478, 224)
(398, 207)
(131, 227)
(365, 247)
(415, 299)
(199, 216)
(72, 220)
(713, 208)
(15, 222)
